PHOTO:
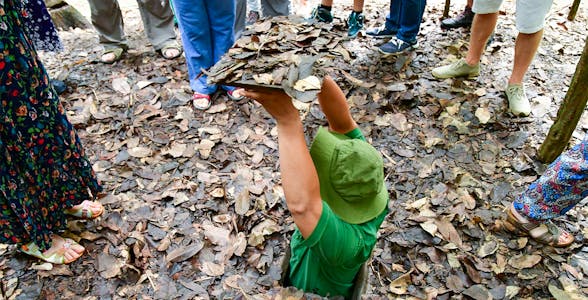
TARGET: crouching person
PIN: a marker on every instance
(335, 192)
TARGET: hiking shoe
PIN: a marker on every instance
(518, 103)
(464, 19)
(321, 14)
(354, 23)
(381, 32)
(397, 46)
(252, 17)
(457, 69)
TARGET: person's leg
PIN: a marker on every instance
(530, 17)
(108, 22)
(221, 15)
(562, 186)
(464, 19)
(253, 5)
(158, 20)
(274, 8)
(193, 21)
(241, 7)
(355, 19)
(358, 5)
(393, 18)
(411, 15)
(482, 28)
(526, 46)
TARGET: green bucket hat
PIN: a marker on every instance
(351, 175)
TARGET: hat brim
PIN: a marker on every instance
(356, 212)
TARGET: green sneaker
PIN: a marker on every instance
(457, 69)
(518, 103)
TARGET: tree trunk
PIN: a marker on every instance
(574, 10)
(65, 16)
(569, 113)
(446, 9)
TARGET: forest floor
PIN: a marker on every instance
(195, 208)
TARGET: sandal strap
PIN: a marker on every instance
(524, 227)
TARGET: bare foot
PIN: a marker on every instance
(62, 251)
(86, 210)
(170, 53)
(108, 57)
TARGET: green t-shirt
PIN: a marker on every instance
(327, 262)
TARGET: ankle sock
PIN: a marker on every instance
(358, 11)
(326, 7)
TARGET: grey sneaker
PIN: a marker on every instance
(518, 103)
(457, 69)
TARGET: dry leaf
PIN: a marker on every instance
(307, 84)
(399, 286)
(524, 261)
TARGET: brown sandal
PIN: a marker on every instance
(549, 237)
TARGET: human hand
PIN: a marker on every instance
(276, 103)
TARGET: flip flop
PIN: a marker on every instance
(83, 211)
(57, 256)
(549, 237)
(201, 101)
(170, 46)
(118, 52)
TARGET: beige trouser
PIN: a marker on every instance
(157, 16)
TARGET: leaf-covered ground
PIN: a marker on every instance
(194, 205)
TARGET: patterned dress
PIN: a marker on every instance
(43, 169)
(563, 185)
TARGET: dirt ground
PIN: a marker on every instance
(195, 209)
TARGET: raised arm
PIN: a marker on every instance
(335, 107)
(299, 178)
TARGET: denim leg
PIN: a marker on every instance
(393, 18)
(411, 15)
(194, 25)
(563, 185)
(222, 19)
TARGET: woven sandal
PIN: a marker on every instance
(83, 210)
(54, 256)
(549, 237)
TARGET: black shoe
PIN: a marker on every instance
(462, 20)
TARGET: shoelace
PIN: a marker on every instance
(515, 89)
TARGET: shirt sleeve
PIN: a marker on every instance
(334, 240)
(356, 134)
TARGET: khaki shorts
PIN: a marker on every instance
(530, 15)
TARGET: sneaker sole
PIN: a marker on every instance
(381, 36)
(470, 76)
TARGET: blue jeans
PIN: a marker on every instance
(405, 18)
(207, 33)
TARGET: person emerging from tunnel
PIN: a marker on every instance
(335, 192)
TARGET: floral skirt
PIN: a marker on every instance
(563, 185)
(43, 169)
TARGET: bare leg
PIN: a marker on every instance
(482, 28)
(327, 2)
(525, 48)
(358, 5)
(470, 3)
